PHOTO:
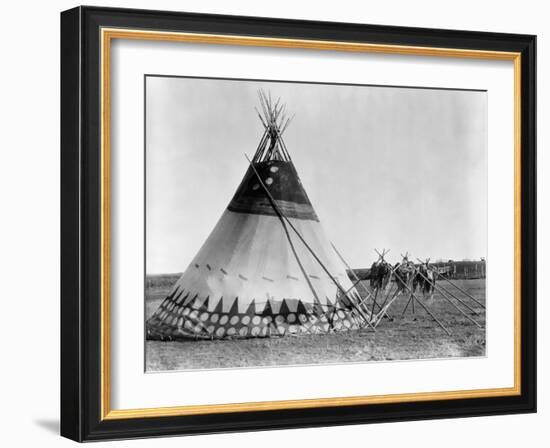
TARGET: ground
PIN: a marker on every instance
(411, 336)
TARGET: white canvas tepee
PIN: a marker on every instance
(267, 268)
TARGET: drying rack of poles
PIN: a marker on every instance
(455, 295)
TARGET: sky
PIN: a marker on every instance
(385, 167)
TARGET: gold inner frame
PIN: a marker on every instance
(107, 35)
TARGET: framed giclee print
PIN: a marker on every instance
(275, 224)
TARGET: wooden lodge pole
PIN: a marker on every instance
(406, 305)
(351, 270)
(450, 293)
(357, 279)
(449, 300)
(458, 287)
(420, 303)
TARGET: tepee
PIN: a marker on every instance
(267, 268)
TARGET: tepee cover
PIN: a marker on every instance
(267, 268)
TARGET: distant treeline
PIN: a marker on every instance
(161, 281)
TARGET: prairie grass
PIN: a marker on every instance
(407, 337)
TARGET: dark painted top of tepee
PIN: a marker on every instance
(282, 181)
(272, 167)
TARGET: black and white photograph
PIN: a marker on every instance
(292, 223)
(283, 221)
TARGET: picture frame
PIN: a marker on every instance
(86, 37)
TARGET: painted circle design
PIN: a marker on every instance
(269, 181)
(264, 331)
(186, 311)
(256, 320)
(234, 320)
(223, 320)
(347, 323)
(302, 318)
(274, 169)
(245, 320)
(256, 186)
(291, 317)
(193, 314)
(214, 318)
(204, 317)
(255, 331)
(220, 331)
(279, 319)
(341, 314)
(210, 329)
(231, 331)
(243, 331)
(267, 319)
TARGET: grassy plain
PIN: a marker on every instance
(411, 336)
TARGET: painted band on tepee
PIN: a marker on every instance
(267, 268)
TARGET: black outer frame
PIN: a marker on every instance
(80, 223)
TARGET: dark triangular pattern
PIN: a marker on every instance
(235, 307)
(308, 307)
(197, 303)
(284, 310)
(219, 306)
(172, 294)
(204, 306)
(183, 299)
(178, 299)
(251, 310)
(301, 309)
(190, 299)
(268, 310)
